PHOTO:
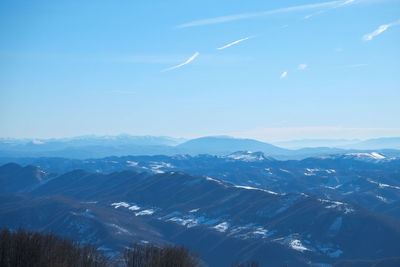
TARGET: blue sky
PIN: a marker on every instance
(300, 69)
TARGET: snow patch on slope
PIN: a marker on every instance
(372, 155)
(297, 245)
(120, 204)
(247, 156)
(145, 212)
(330, 204)
(381, 185)
(254, 188)
(222, 227)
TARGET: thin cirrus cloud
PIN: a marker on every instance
(347, 2)
(381, 29)
(343, 3)
(182, 64)
(284, 74)
(234, 42)
(229, 18)
(356, 65)
(302, 66)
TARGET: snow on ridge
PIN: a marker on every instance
(297, 245)
(377, 155)
(255, 188)
(120, 204)
(293, 243)
(381, 198)
(222, 227)
(249, 230)
(331, 201)
(283, 170)
(213, 179)
(156, 166)
(268, 170)
(246, 156)
(371, 155)
(120, 230)
(332, 187)
(189, 222)
(145, 212)
(312, 172)
(381, 185)
(367, 156)
(132, 163)
(262, 232)
(337, 205)
(125, 205)
(134, 207)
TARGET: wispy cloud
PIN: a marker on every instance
(356, 65)
(347, 2)
(313, 14)
(182, 64)
(302, 67)
(381, 29)
(234, 42)
(342, 4)
(284, 74)
(243, 16)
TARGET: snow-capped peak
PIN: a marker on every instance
(247, 156)
(371, 155)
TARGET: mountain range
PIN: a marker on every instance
(97, 147)
(340, 209)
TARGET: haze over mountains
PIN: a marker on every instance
(375, 143)
(95, 147)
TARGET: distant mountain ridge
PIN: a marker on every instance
(221, 145)
(379, 143)
(375, 143)
(97, 147)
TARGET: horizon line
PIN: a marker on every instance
(185, 139)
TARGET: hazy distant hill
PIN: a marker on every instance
(222, 145)
(88, 146)
(302, 143)
(378, 143)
